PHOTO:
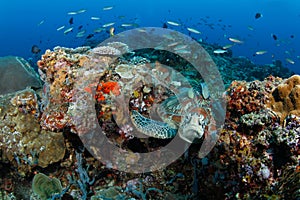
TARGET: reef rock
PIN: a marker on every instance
(16, 74)
(22, 141)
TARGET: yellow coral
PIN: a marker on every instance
(284, 100)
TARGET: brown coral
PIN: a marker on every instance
(284, 100)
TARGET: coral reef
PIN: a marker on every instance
(45, 186)
(255, 157)
(285, 98)
(23, 143)
(16, 68)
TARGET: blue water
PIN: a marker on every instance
(25, 23)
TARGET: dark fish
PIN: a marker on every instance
(80, 27)
(89, 36)
(274, 37)
(258, 15)
(71, 21)
(292, 36)
(165, 25)
(35, 49)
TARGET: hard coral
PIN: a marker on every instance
(243, 99)
(285, 99)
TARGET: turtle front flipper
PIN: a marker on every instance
(151, 127)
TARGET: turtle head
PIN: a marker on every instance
(192, 126)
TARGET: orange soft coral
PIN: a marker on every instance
(106, 88)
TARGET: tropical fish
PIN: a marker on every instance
(126, 25)
(95, 18)
(173, 44)
(227, 46)
(236, 40)
(68, 30)
(274, 36)
(108, 24)
(290, 61)
(193, 30)
(173, 23)
(80, 34)
(111, 31)
(81, 11)
(60, 28)
(258, 15)
(98, 30)
(261, 52)
(89, 36)
(107, 8)
(72, 13)
(250, 28)
(220, 51)
(180, 47)
(41, 22)
(183, 51)
(71, 21)
(35, 49)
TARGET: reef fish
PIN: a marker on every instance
(107, 8)
(35, 49)
(173, 23)
(236, 40)
(108, 24)
(193, 30)
(60, 28)
(95, 18)
(290, 61)
(68, 30)
(220, 51)
(261, 52)
(112, 31)
(258, 15)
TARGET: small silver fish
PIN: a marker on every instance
(108, 24)
(262, 52)
(126, 25)
(193, 30)
(72, 13)
(290, 61)
(81, 11)
(80, 34)
(173, 23)
(41, 22)
(60, 28)
(227, 46)
(220, 51)
(98, 30)
(183, 51)
(180, 47)
(236, 40)
(68, 30)
(250, 28)
(95, 18)
(107, 8)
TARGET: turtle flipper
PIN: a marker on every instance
(152, 128)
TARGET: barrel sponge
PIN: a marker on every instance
(16, 74)
(45, 186)
(285, 98)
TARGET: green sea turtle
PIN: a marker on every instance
(184, 114)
